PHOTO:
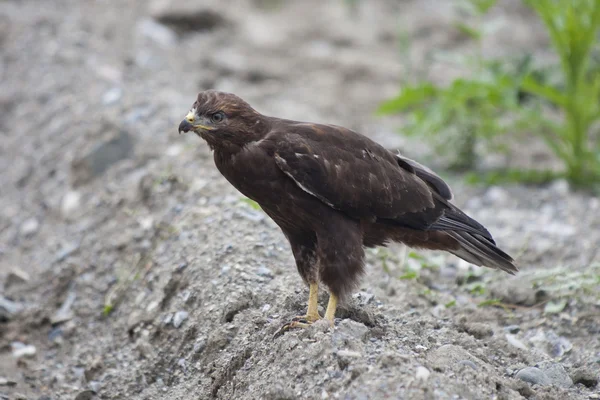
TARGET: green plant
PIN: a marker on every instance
(458, 117)
(573, 27)
(510, 96)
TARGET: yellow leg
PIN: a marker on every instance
(313, 303)
(331, 306)
(312, 314)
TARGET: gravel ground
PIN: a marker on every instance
(131, 269)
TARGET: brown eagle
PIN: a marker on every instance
(334, 192)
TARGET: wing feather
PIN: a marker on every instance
(353, 174)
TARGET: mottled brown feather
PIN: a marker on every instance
(333, 191)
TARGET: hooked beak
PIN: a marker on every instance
(189, 124)
(185, 126)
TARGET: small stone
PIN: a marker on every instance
(70, 202)
(22, 350)
(586, 376)
(66, 251)
(349, 330)
(8, 309)
(512, 340)
(112, 96)
(264, 271)
(16, 276)
(179, 317)
(29, 227)
(186, 17)
(85, 395)
(557, 374)
(64, 313)
(512, 329)
(422, 374)
(534, 376)
(346, 357)
(468, 363)
(95, 386)
(7, 382)
(364, 298)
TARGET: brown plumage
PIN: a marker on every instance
(334, 192)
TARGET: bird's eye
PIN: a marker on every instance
(218, 117)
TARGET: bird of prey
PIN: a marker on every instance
(334, 192)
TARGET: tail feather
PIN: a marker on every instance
(479, 250)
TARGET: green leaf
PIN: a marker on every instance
(108, 308)
(451, 303)
(409, 275)
(555, 307)
(530, 85)
(483, 6)
(409, 97)
(465, 29)
(489, 303)
(251, 203)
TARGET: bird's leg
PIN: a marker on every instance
(331, 307)
(312, 314)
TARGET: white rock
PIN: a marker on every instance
(112, 96)
(70, 202)
(512, 339)
(30, 227)
(422, 374)
(22, 350)
(179, 317)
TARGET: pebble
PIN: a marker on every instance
(586, 376)
(349, 330)
(22, 350)
(512, 329)
(70, 202)
(364, 298)
(85, 395)
(8, 309)
(66, 251)
(7, 382)
(557, 374)
(512, 340)
(29, 227)
(179, 317)
(422, 374)
(534, 376)
(112, 96)
(264, 271)
(64, 313)
(16, 276)
(346, 357)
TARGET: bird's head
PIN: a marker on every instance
(224, 120)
